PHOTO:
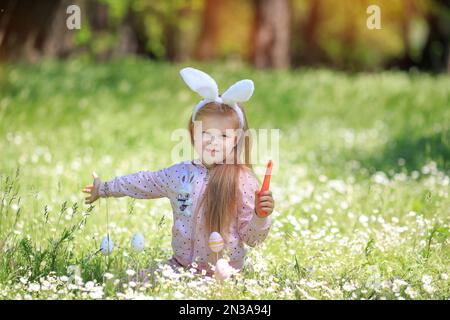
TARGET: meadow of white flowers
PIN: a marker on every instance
(346, 226)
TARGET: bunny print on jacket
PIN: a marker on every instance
(184, 198)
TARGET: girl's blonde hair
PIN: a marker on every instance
(222, 197)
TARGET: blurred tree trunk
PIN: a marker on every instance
(129, 41)
(312, 52)
(173, 33)
(209, 31)
(349, 37)
(130, 38)
(435, 55)
(406, 61)
(408, 12)
(271, 35)
(24, 27)
(181, 51)
(6, 14)
(436, 52)
(59, 40)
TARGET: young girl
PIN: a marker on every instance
(207, 194)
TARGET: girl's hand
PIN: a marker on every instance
(92, 189)
(264, 201)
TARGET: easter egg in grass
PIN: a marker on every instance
(137, 242)
(216, 242)
(106, 246)
(223, 270)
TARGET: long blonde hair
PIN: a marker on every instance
(222, 196)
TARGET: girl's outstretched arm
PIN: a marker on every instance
(139, 185)
(252, 229)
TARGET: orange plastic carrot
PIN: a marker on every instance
(265, 186)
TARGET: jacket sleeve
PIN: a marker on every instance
(252, 229)
(139, 185)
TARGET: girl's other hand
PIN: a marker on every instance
(92, 189)
(264, 201)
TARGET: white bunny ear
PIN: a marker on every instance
(200, 82)
(239, 92)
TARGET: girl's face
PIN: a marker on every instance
(219, 136)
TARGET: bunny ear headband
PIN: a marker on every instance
(206, 87)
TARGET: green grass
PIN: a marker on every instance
(362, 190)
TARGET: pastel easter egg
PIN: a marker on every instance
(223, 270)
(106, 246)
(215, 242)
(137, 242)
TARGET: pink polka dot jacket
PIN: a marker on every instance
(184, 184)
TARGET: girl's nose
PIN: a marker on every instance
(214, 140)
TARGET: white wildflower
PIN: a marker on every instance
(89, 285)
(348, 287)
(410, 292)
(34, 287)
(363, 219)
(428, 288)
(397, 285)
(131, 272)
(108, 275)
(426, 279)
